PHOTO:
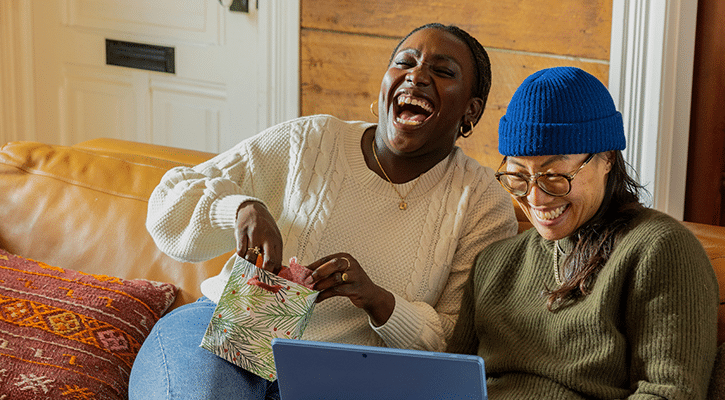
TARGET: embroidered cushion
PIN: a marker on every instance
(69, 335)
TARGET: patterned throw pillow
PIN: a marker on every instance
(69, 335)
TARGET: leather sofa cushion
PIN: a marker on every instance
(713, 240)
(79, 209)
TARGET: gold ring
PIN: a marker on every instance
(348, 263)
(344, 276)
(256, 250)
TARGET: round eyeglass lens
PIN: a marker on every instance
(515, 184)
(554, 185)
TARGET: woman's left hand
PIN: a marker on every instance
(341, 275)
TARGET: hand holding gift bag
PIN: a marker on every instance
(255, 307)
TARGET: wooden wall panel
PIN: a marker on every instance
(341, 74)
(705, 190)
(580, 28)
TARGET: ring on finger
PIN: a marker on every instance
(344, 277)
(348, 264)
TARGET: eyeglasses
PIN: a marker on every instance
(519, 184)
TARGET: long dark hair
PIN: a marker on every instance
(595, 240)
(481, 62)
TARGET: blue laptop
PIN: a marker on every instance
(308, 370)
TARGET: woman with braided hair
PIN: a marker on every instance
(389, 216)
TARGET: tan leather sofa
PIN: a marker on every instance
(84, 207)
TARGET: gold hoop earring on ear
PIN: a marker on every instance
(373, 106)
(470, 131)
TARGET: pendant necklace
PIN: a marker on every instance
(402, 205)
(557, 275)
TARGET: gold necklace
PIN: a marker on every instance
(557, 275)
(402, 205)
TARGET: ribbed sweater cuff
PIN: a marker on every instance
(404, 326)
(223, 212)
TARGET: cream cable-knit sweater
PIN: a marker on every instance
(311, 175)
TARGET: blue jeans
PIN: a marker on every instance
(171, 365)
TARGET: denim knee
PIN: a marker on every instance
(171, 365)
(149, 375)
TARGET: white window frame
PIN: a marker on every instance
(650, 78)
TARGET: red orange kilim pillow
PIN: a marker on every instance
(69, 335)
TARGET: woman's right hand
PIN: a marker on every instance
(257, 233)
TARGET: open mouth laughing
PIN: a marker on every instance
(550, 215)
(412, 110)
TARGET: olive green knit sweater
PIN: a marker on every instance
(647, 330)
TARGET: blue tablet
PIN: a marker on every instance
(320, 371)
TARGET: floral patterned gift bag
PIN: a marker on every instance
(255, 307)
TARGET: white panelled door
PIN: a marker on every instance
(210, 102)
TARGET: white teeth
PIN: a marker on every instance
(408, 122)
(549, 215)
(405, 99)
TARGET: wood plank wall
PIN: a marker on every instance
(705, 190)
(345, 46)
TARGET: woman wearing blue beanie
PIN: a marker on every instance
(605, 298)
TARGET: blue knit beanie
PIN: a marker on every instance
(562, 110)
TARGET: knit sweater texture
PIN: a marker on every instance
(311, 175)
(647, 330)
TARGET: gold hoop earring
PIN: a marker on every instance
(470, 131)
(373, 106)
